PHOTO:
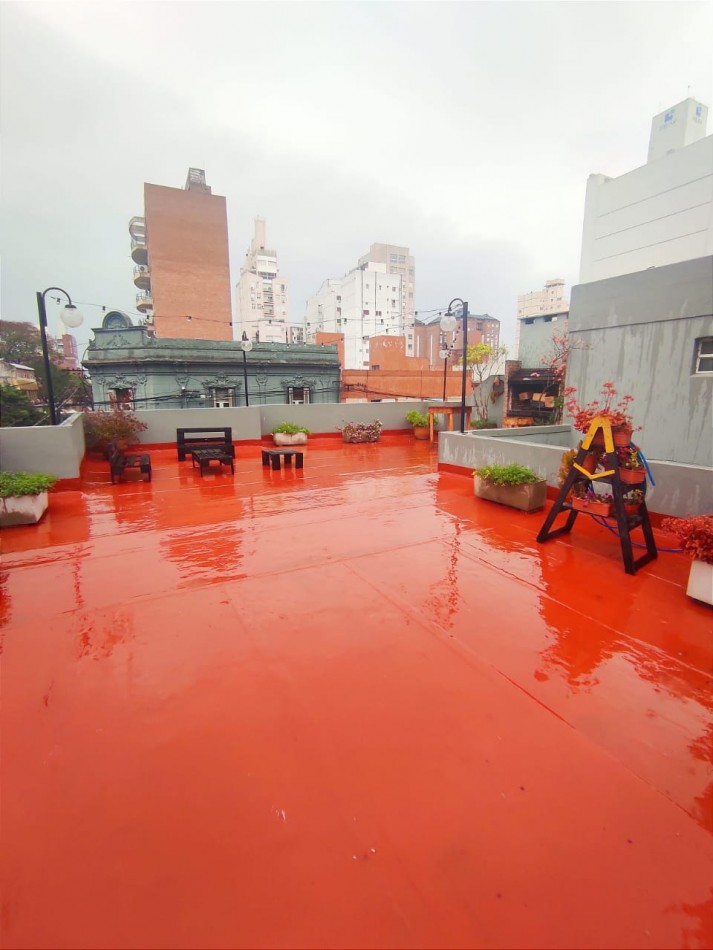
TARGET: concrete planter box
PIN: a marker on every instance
(22, 509)
(524, 497)
(700, 582)
(285, 438)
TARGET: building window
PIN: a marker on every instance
(121, 398)
(338, 298)
(365, 312)
(703, 362)
(222, 397)
(298, 395)
(378, 313)
(548, 319)
(530, 320)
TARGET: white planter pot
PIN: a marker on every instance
(22, 509)
(700, 582)
(284, 438)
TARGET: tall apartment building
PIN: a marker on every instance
(399, 261)
(180, 249)
(364, 303)
(660, 213)
(540, 314)
(261, 295)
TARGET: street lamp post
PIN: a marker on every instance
(246, 346)
(70, 317)
(448, 322)
(444, 356)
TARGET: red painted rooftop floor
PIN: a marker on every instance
(348, 707)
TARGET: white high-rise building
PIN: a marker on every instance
(398, 260)
(261, 295)
(540, 314)
(364, 303)
(660, 213)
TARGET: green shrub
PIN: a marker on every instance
(289, 428)
(483, 424)
(417, 419)
(14, 484)
(513, 474)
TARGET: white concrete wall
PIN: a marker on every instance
(679, 490)
(55, 450)
(655, 215)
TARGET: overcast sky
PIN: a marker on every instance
(463, 130)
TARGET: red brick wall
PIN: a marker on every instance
(187, 238)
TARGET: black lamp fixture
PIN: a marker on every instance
(448, 324)
(71, 318)
(245, 346)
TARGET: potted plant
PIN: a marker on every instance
(631, 468)
(419, 421)
(23, 497)
(590, 462)
(361, 431)
(695, 535)
(633, 500)
(584, 498)
(118, 425)
(512, 485)
(287, 433)
(608, 407)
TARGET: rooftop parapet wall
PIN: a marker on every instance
(680, 490)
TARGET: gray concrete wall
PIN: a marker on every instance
(641, 331)
(679, 489)
(56, 450)
(162, 423)
(254, 422)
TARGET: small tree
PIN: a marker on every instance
(483, 361)
(16, 408)
(555, 365)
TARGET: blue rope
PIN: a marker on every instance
(646, 464)
(636, 544)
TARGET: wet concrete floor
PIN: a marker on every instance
(351, 706)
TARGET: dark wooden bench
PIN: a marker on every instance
(204, 437)
(273, 456)
(120, 461)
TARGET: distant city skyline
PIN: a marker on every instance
(449, 143)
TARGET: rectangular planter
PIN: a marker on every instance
(632, 476)
(22, 509)
(524, 497)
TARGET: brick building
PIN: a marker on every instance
(180, 249)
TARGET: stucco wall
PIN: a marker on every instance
(679, 489)
(56, 450)
(640, 331)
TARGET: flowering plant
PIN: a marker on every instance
(611, 408)
(694, 534)
(629, 457)
(361, 431)
(584, 491)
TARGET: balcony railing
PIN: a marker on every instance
(139, 254)
(142, 277)
(144, 301)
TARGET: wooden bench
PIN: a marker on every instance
(204, 437)
(119, 462)
(273, 456)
